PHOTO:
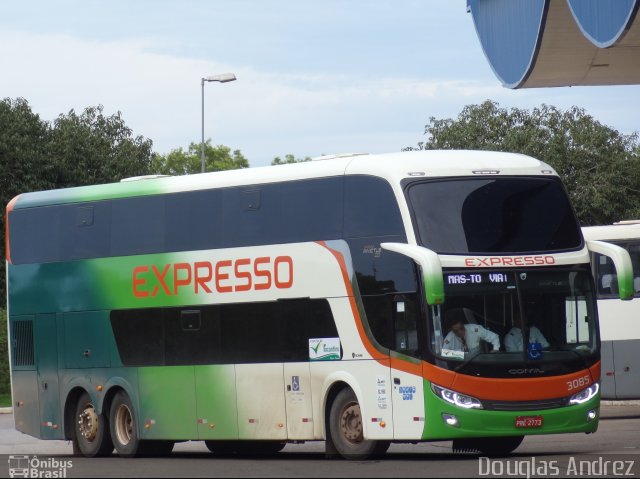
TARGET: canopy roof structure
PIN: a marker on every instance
(550, 43)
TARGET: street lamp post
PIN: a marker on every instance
(222, 78)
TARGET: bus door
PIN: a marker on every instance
(406, 381)
(297, 380)
(46, 346)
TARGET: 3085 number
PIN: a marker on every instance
(579, 383)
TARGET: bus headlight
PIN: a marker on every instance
(585, 395)
(457, 399)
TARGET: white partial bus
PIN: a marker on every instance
(619, 320)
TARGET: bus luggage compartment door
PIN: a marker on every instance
(261, 409)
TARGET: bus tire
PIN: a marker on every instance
(346, 429)
(91, 432)
(124, 427)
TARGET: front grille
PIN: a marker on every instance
(525, 405)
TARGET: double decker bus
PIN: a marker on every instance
(619, 326)
(308, 302)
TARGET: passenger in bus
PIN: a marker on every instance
(513, 340)
(467, 337)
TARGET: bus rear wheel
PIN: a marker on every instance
(91, 438)
(346, 429)
(124, 430)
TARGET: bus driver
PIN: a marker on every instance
(466, 337)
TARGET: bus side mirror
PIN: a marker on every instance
(429, 263)
(621, 261)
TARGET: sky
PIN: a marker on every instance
(314, 77)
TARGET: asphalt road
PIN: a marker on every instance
(610, 452)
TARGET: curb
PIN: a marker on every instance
(620, 403)
(6, 410)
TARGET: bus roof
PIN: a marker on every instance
(618, 231)
(392, 166)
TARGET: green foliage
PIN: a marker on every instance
(92, 148)
(599, 166)
(180, 162)
(5, 387)
(289, 158)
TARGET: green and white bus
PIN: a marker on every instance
(307, 302)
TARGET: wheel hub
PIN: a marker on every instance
(351, 423)
(123, 425)
(88, 422)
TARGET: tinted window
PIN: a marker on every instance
(494, 215)
(139, 334)
(380, 271)
(251, 215)
(252, 333)
(312, 210)
(138, 226)
(84, 230)
(295, 211)
(370, 208)
(305, 319)
(194, 220)
(192, 336)
(277, 331)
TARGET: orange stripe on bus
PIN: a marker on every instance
(371, 349)
(10, 207)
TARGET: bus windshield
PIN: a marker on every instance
(494, 215)
(495, 322)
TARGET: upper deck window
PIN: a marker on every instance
(494, 215)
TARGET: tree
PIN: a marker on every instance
(599, 166)
(289, 158)
(93, 148)
(180, 162)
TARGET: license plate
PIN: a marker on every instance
(528, 421)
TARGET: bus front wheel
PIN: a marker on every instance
(91, 438)
(346, 429)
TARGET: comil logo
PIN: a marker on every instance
(27, 466)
